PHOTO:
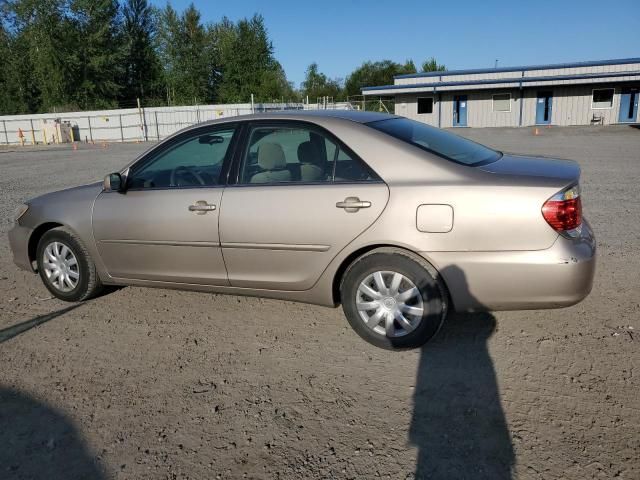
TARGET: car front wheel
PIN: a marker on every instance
(393, 299)
(65, 267)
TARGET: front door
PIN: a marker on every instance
(300, 198)
(460, 111)
(544, 103)
(628, 105)
(164, 227)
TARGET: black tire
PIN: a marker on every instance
(88, 284)
(414, 268)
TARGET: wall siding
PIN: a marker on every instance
(407, 106)
(571, 97)
(571, 106)
(479, 109)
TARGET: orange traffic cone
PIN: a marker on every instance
(536, 131)
(75, 146)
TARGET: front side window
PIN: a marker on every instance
(195, 161)
(425, 105)
(297, 154)
(502, 102)
(602, 98)
(433, 140)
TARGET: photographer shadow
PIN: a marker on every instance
(39, 442)
(458, 422)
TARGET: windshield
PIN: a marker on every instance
(445, 144)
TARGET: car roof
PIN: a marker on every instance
(353, 115)
(356, 116)
(309, 115)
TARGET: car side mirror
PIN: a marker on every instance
(113, 183)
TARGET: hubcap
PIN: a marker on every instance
(60, 266)
(389, 303)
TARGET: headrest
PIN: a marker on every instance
(271, 157)
(309, 153)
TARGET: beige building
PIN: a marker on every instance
(599, 92)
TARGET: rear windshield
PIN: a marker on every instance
(445, 144)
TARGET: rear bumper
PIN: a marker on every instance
(19, 242)
(559, 276)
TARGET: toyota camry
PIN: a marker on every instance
(396, 221)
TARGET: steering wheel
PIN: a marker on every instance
(182, 171)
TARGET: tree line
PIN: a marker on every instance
(63, 55)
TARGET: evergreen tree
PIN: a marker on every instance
(431, 65)
(168, 49)
(141, 70)
(275, 87)
(10, 96)
(317, 85)
(188, 56)
(70, 54)
(196, 60)
(44, 43)
(247, 63)
(96, 54)
(376, 73)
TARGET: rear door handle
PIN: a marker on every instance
(201, 207)
(353, 204)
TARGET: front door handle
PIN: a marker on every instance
(353, 204)
(201, 207)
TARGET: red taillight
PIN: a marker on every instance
(563, 211)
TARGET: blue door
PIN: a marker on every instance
(544, 102)
(460, 111)
(628, 105)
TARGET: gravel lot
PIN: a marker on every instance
(146, 383)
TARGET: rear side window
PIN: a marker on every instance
(298, 154)
(433, 140)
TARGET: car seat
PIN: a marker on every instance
(273, 164)
(312, 163)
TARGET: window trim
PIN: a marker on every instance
(170, 142)
(493, 102)
(613, 95)
(433, 104)
(243, 146)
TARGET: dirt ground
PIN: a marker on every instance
(146, 383)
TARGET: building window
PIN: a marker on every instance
(425, 105)
(602, 98)
(502, 102)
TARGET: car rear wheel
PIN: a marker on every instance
(393, 299)
(65, 266)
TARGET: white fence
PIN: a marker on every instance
(130, 125)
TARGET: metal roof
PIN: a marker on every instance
(592, 63)
(519, 80)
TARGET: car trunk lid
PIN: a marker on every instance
(564, 172)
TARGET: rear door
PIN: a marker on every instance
(628, 105)
(164, 227)
(300, 197)
(544, 104)
(460, 111)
